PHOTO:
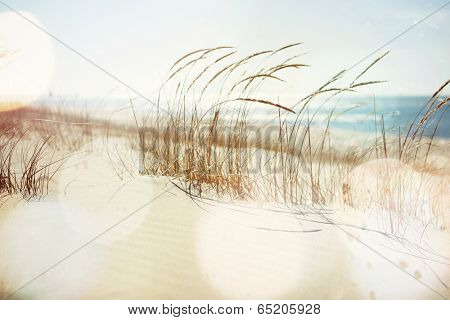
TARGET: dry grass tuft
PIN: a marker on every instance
(202, 133)
(25, 167)
(30, 138)
(207, 141)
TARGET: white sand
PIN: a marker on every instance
(168, 247)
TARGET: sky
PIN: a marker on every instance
(138, 41)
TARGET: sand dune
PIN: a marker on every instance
(170, 247)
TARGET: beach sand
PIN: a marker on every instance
(104, 232)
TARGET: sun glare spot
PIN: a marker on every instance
(26, 61)
(33, 236)
(249, 256)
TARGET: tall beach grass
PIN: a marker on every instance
(201, 132)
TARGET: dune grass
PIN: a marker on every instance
(35, 142)
(202, 133)
(25, 166)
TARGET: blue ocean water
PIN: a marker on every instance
(365, 114)
(352, 113)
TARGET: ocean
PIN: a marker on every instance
(350, 113)
(364, 114)
(398, 112)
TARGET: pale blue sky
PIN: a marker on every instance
(139, 40)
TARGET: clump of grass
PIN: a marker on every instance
(29, 140)
(202, 132)
(25, 166)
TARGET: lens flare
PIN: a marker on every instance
(263, 255)
(26, 60)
